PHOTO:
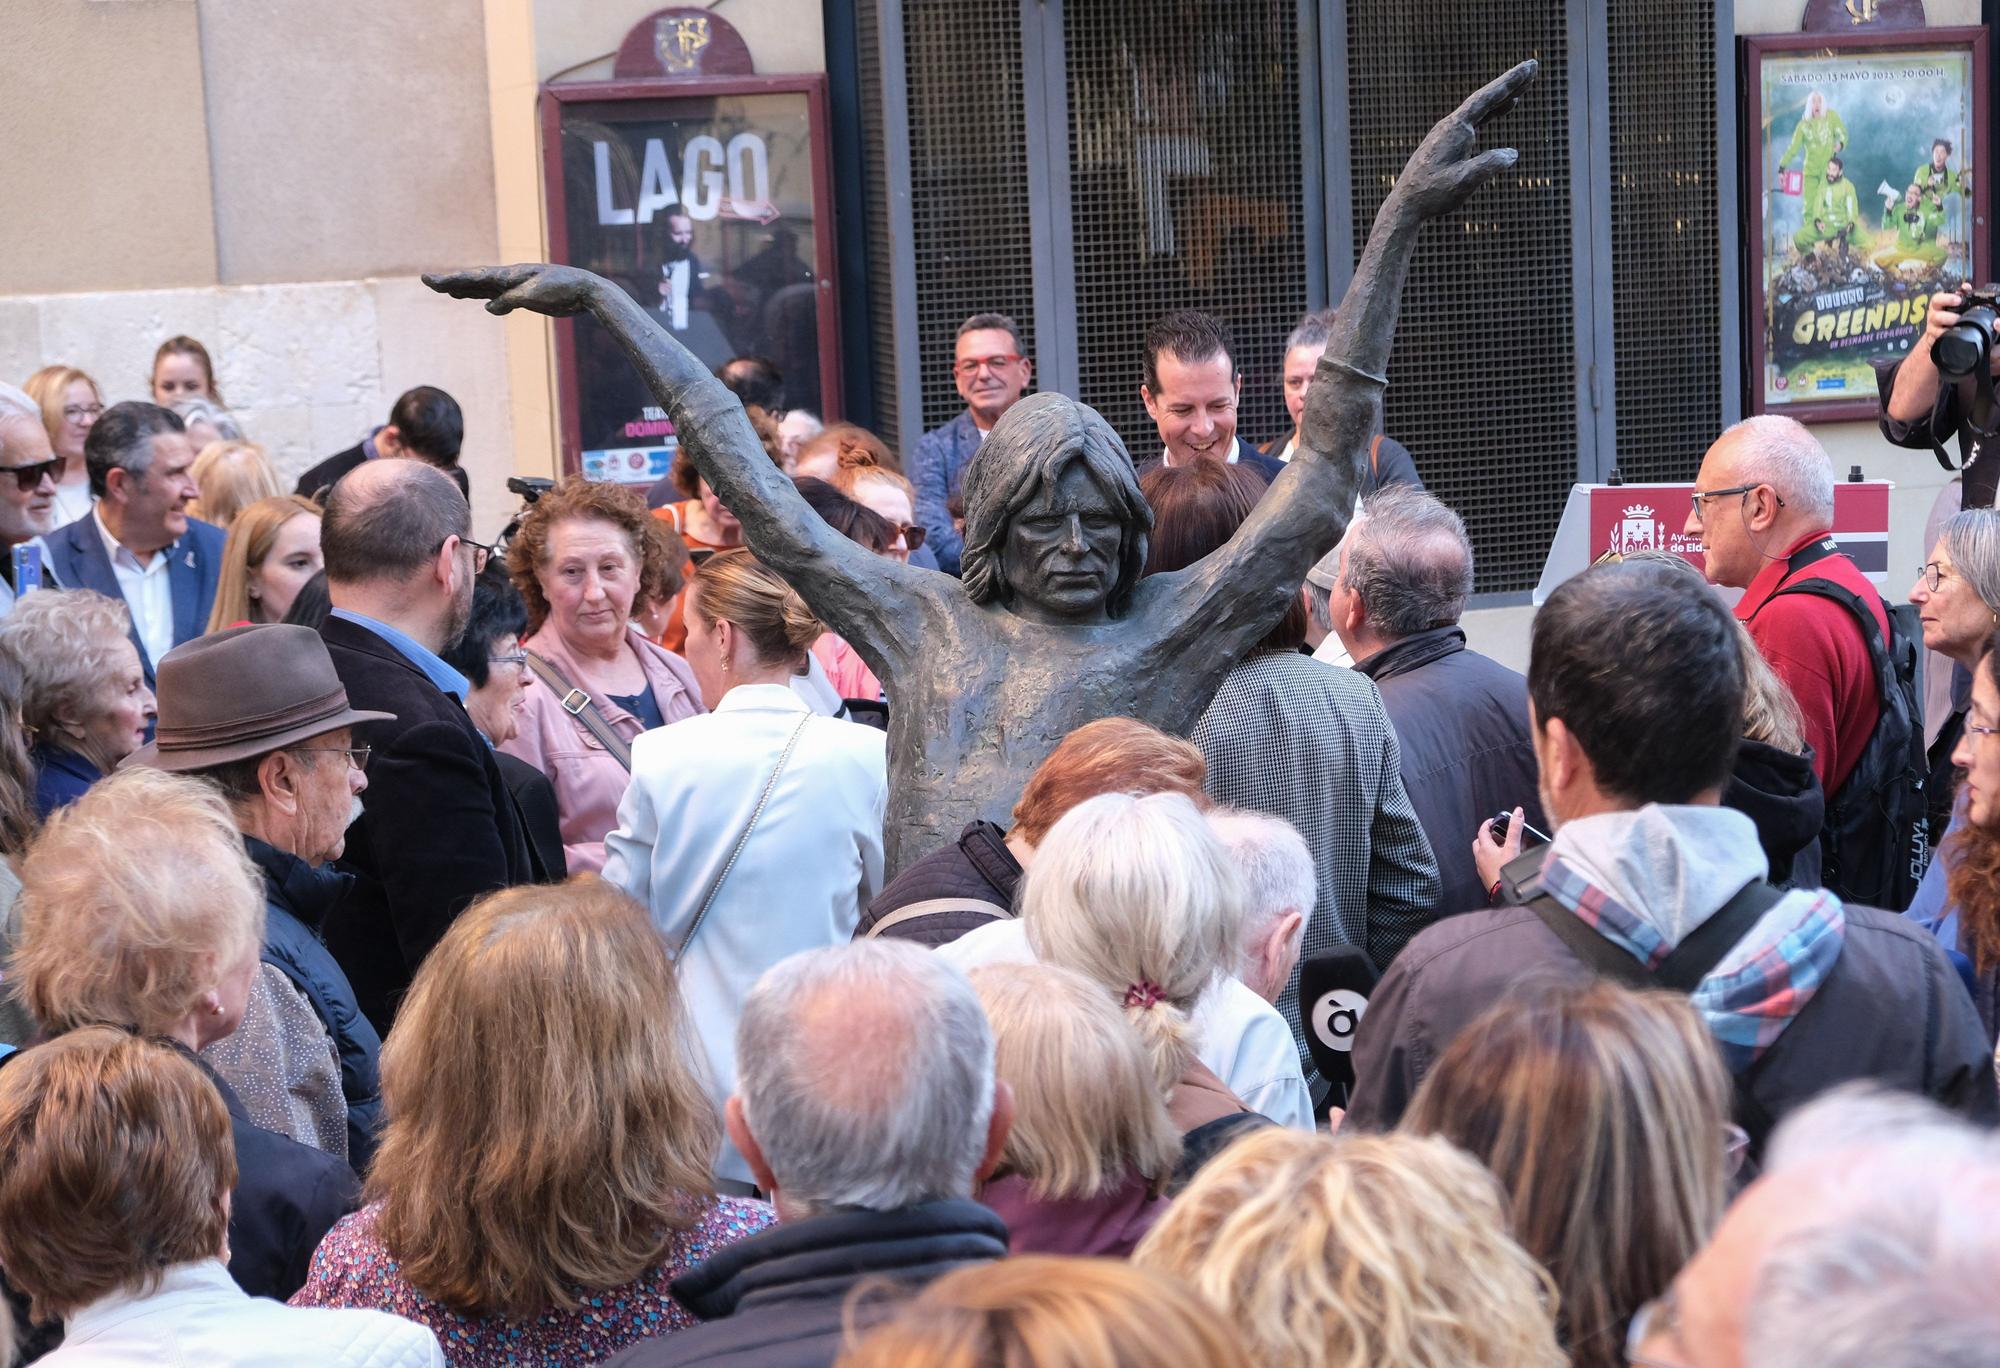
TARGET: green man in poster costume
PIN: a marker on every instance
(1936, 179)
(1916, 225)
(1820, 135)
(1831, 211)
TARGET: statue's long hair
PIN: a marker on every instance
(1031, 446)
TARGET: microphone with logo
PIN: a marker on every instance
(1333, 994)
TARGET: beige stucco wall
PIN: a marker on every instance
(107, 171)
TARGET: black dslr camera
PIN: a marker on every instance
(1964, 348)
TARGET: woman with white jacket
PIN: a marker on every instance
(753, 831)
(114, 1208)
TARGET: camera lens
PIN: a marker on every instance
(1961, 349)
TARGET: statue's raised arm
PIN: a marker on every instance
(1235, 594)
(853, 590)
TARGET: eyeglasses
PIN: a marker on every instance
(1974, 729)
(481, 552)
(1660, 1316)
(1930, 572)
(972, 365)
(77, 413)
(913, 533)
(1698, 495)
(357, 756)
(30, 477)
(516, 659)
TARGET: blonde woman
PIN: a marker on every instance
(273, 549)
(1329, 1252)
(537, 1207)
(231, 474)
(1038, 1312)
(114, 1211)
(71, 405)
(1605, 1114)
(140, 910)
(1092, 1146)
(753, 831)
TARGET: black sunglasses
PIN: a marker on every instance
(29, 477)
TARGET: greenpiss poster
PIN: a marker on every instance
(1866, 206)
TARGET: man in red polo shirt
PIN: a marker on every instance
(1763, 506)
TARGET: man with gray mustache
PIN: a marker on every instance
(261, 713)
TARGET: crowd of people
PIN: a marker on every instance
(415, 950)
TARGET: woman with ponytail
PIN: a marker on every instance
(753, 831)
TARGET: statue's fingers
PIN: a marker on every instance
(486, 282)
(1498, 96)
(1471, 175)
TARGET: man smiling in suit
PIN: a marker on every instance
(138, 543)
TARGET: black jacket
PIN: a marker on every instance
(316, 482)
(438, 827)
(977, 867)
(1892, 1009)
(1462, 722)
(776, 1299)
(1780, 793)
(1389, 463)
(297, 898)
(287, 1196)
(1978, 458)
(535, 803)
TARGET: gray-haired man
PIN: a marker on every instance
(867, 1108)
(1393, 595)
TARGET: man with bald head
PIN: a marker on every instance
(1763, 507)
(439, 827)
(29, 469)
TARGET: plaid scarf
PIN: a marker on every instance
(1765, 980)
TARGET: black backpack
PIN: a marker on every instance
(1876, 842)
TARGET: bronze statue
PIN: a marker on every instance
(1052, 626)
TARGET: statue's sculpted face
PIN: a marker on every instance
(1062, 550)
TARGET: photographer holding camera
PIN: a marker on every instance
(1944, 387)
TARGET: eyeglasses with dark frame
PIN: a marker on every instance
(517, 659)
(913, 533)
(481, 552)
(76, 413)
(1931, 573)
(1698, 495)
(28, 478)
(357, 756)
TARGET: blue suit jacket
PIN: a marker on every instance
(76, 554)
(935, 470)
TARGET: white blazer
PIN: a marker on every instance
(198, 1315)
(814, 861)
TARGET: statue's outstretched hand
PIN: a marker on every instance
(557, 291)
(1443, 172)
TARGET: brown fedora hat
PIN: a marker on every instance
(242, 693)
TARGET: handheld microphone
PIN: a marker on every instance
(1333, 995)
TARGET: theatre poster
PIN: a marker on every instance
(1866, 192)
(708, 201)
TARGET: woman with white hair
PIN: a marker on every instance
(84, 698)
(140, 910)
(1957, 594)
(1092, 1146)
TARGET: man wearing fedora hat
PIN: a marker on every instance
(261, 713)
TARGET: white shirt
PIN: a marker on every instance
(813, 862)
(1241, 1038)
(198, 1315)
(148, 590)
(72, 502)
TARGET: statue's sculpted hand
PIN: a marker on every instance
(1443, 173)
(557, 291)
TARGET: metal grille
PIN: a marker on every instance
(1665, 235)
(880, 247)
(1482, 381)
(1185, 184)
(968, 176)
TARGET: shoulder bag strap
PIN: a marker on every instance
(1594, 950)
(583, 708)
(1686, 965)
(912, 911)
(1375, 455)
(748, 827)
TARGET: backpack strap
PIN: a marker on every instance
(1375, 455)
(1689, 962)
(928, 906)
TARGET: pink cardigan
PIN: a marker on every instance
(589, 781)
